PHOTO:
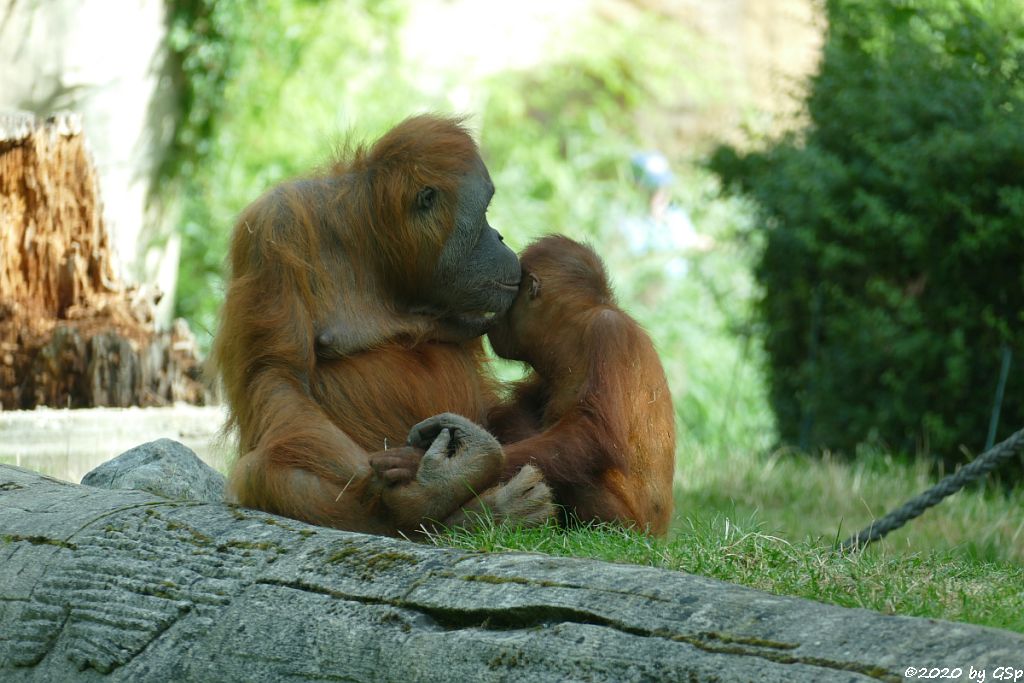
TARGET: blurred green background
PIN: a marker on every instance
(893, 286)
(864, 287)
(271, 94)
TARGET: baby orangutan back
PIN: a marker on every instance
(595, 415)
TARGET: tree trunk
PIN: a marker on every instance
(143, 588)
(70, 334)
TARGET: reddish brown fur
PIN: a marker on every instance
(597, 403)
(342, 246)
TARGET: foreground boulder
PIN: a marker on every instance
(165, 467)
(140, 587)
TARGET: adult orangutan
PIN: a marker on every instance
(595, 415)
(354, 310)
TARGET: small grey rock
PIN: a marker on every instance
(164, 467)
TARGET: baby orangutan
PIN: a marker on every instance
(595, 415)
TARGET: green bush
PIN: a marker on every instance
(893, 267)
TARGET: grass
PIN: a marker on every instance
(771, 523)
(803, 497)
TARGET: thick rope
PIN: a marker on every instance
(985, 463)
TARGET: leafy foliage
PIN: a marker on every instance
(894, 230)
(199, 43)
(268, 104)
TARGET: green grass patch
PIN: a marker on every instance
(771, 523)
(800, 497)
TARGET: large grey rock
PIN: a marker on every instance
(141, 588)
(164, 467)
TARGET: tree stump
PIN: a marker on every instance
(71, 334)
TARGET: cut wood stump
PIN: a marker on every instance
(131, 586)
(71, 335)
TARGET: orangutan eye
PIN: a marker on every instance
(425, 198)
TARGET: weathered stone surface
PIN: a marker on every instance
(164, 467)
(142, 588)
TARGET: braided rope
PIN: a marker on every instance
(981, 466)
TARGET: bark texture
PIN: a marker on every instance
(126, 585)
(71, 335)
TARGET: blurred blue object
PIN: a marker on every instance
(652, 169)
(665, 227)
